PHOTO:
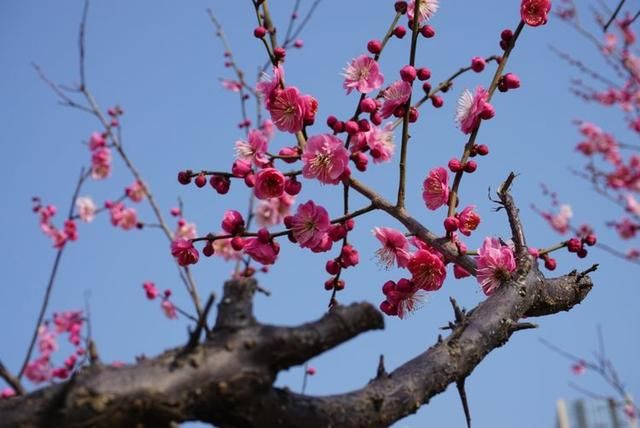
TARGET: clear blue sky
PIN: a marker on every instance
(161, 62)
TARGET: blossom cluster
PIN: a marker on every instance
(42, 369)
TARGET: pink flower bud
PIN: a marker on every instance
(470, 166)
(368, 105)
(232, 222)
(408, 73)
(399, 31)
(427, 31)
(511, 81)
(374, 46)
(451, 224)
(423, 73)
(259, 32)
(454, 165)
(477, 64)
(437, 101)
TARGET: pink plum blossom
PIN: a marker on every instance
(232, 222)
(435, 189)
(231, 85)
(309, 225)
(468, 220)
(269, 184)
(579, 368)
(325, 158)
(273, 211)
(288, 109)
(86, 209)
(265, 253)
(395, 248)
(534, 12)
(186, 230)
(100, 163)
(96, 141)
(472, 108)
(560, 221)
(7, 393)
(184, 252)
(254, 149)
(395, 96)
(380, 142)
(47, 342)
(136, 192)
(223, 248)
(268, 85)
(123, 217)
(428, 270)
(39, 370)
(426, 9)
(169, 309)
(362, 74)
(150, 290)
(402, 297)
(495, 262)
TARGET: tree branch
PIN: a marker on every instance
(228, 379)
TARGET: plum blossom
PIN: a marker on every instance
(395, 247)
(428, 269)
(380, 142)
(136, 191)
(468, 220)
(96, 141)
(402, 297)
(86, 209)
(254, 149)
(435, 189)
(184, 252)
(560, 221)
(7, 393)
(150, 290)
(495, 262)
(288, 109)
(362, 74)
(39, 370)
(267, 85)
(534, 12)
(472, 108)
(273, 211)
(123, 217)
(626, 228)
(233, 222)
(231, 85)
(325, 158)
(269, 183)
(169, 309)
(579, 368)
(426, 9)
(309, 225)
(100, 163)
(186, 230)
(262, 252)
(223, 248)
(633, 206)
(395, 96)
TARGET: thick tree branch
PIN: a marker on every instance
(228, 380)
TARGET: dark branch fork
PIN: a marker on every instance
(228, 379)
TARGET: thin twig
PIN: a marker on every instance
(613, 16)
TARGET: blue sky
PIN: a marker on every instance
(161, 61)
